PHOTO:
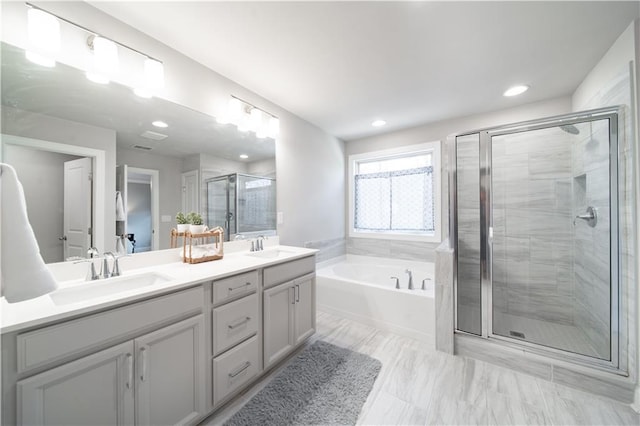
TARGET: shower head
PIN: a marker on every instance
(570, 128)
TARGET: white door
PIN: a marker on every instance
(94, 390)
(77, 207)
(305, 310)
(170, 374)
(278, 322)
(190, 192)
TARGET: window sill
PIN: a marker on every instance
(426, 238)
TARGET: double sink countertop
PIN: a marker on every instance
(144, 275)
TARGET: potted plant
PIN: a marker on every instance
(183, 223)
(195, 223)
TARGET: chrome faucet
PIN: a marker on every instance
(106, 273)
(410, 287)
(260, 242)
(115, 271)
(92, 253)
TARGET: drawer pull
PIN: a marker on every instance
(240, 286)
(244, 367)
(297, 293)
(238, 324)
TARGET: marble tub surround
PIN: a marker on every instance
(444, 298)
(328, 249)
(405, 250)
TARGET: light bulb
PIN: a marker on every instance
(44, 37)
(235, 110)
(274, 127)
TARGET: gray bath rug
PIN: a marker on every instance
(324, 384)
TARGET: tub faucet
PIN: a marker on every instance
(408, 271)
(397, 282)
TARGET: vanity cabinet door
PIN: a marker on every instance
(170, 374)
(278, 322)
(304, 309)
(95, 390)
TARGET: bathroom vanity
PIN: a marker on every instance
(169, 346)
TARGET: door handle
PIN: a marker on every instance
(129, 370)
(63, 238)
(143, 364)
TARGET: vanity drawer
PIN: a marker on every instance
(234, 287)
(235, 368)
(61, 341)
(234, 322)
(287, 271)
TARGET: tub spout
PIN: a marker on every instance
(397, 282)
(410, 287)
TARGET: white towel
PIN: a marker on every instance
(23, 273)
(120, 215)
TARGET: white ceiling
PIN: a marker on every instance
(341, 65)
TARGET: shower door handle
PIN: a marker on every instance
(591, 217)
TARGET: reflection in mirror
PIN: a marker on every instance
(59, 106)
(242, 204)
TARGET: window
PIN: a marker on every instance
(395, 194)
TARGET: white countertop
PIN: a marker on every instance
(42, 310)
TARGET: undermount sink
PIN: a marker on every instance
(270, 253)
(106, 287)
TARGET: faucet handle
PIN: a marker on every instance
(397, 282)
(115, 271)
(91, 272)
(424, 287)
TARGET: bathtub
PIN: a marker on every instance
(360, 288)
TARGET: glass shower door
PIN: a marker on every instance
(553, 250)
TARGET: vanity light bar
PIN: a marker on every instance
(248, 117)
(105, 55)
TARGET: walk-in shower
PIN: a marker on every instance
(242, 204)
(535, 227)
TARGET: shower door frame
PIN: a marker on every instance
(618, 307)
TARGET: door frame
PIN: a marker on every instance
(98, 157)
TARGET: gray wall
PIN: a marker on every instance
(42, 176)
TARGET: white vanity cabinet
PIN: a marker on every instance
(150, 378)
(289, 308)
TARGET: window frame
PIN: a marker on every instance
(435, 149)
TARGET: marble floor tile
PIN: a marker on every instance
(418, 386)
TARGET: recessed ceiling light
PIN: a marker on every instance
(244, 156)
(515, 90)
(159, 123)
(378, 123)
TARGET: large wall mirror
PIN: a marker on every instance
(59, 128)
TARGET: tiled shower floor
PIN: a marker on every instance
(418, 385)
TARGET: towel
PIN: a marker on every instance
(120, 215)
(23, 273)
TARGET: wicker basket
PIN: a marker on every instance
(198, 248)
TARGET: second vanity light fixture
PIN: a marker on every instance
(248, 117)
(44, 44)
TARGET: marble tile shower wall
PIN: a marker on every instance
(468, 195)
(590, 170)
(615, 92)
(532, 215)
